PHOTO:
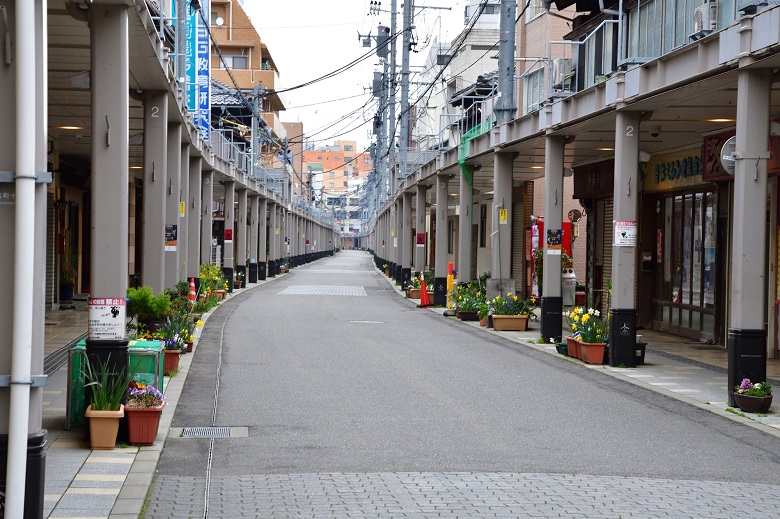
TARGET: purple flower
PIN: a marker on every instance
(746, 384)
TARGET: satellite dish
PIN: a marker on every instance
(219, 21)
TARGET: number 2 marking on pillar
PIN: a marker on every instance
(155, 111)
(629, 131)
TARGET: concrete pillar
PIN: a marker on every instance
(242, 228)
(398, 242)
(420, 214)
(228, 262)
(552, 301)
(440, 268)
(501, 281)
(262, 238)
(273, 238)
(184, 233)
(206, 216)
(622, 333)
(193, 220)
(406, 240)
(465, 221)
(172, 199)
(155, 180)
(254, 253)
(747, 337)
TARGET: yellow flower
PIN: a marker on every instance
(573, 327)
(515, 298)
(497, 298)
(508, 294)
(192, 338)
(585, 318)
(479, 293)
(572, 315)
(199, 323)
(576, 318)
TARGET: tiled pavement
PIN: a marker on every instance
(91, 484)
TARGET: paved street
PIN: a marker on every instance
(358, 404)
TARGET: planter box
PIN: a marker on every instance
(468, 316)
(573, 347)
(103, 427)
(593, 352)
(414, 293)
(510, 323)
(142, 424)
(640, 353)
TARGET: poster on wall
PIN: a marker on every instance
(107, 318)
(554, 241)
(625, 233)
(420, 239)
(171, 237)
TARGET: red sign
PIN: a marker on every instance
(228, 234)
(420, 238)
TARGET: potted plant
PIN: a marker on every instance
(105, 408)
(590, 334)
(505, 311)
(239, 281)
(482, 312)
(753, 398)
(174, 345)
(69, 263)
(147, 308)
(143, 410)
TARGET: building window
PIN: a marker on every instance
(600, 57)
(533, 85)
(535, 8)
(347, 159)
(214, 16)
(347, 148)
(330, 185)
(233, 62)
(645, 33)
(483, 225)
(332, 174)
(345, 183)
(367, 160)
(346, 173)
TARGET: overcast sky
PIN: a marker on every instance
(311, 38)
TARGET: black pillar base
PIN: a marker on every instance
(552, 308)
(261, 271)
(252, 276)
(36, 472)
(747, 358)
(406, 277)
(398, 274)
(440, 291)
(197, 285)
(622, 338)
(228, 272)
(271, 268)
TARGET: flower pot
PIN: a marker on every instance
(484, 321)
(640, 353)
(573, 347)
(510, 323)
(753, 404)
(103, 427)
(237, 284)
(562, 348)
(468, 316)
(593, 352)
(220, 294)
(414, 293)
(171, 363)
(188, 349)
(142, 424)
(66, 292)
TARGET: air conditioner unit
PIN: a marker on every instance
(705, 17)
(561, 72)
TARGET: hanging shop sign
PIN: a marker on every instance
(714, 168)
(554, 241)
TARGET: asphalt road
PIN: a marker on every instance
(368, 405)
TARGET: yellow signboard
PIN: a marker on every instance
(181, 208)
(502, 216)
(673, 170)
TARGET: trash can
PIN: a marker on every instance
(568, 287)
(145, 360)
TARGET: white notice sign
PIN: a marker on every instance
(107, 318)
(625, 233)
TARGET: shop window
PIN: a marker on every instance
(483, 225)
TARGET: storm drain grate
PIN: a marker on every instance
(206, 432)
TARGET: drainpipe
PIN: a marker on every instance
(24, 252)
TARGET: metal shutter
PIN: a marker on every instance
(608, 238)
(51, 245)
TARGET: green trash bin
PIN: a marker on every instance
(146, 361)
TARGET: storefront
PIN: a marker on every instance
(680, 247)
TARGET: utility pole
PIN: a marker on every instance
(255, 126)
(505, 106)
(181, 45)
(391, 86)
(404, 130)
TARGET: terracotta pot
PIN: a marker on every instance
(753, 404)
(103, 427)
(483, 321)
(573, 347)
(414, 293)
(142, 424)
(188, 349)
(171, 363)
(510, 323)
(220, 294)
(593, 352)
